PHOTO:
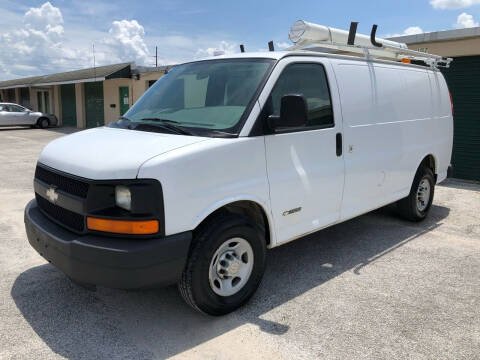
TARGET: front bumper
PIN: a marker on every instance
(107, 261)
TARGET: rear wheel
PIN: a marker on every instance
(43, 123)
(416, 205)
(225, 265)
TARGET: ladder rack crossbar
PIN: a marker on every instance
(385, 51)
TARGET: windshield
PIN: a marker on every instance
(205, 98)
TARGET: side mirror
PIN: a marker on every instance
(293, 113)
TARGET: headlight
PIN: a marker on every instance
(123, 197)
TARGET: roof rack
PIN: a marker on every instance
(304, 35)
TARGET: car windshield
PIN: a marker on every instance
(205, 98)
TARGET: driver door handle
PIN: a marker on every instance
(339, 144)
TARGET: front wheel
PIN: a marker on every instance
(416, 205)
(225, 265)
(43, 123)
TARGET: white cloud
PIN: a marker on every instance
(283, 45)
(37, 44)
(43, 41)
(465, 20)
(225, 46)
(453, 4)
(127, 41)
(40, 45)
(412, 30)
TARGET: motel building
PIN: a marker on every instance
(83, 98)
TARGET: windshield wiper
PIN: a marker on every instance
(166, 126)
(171, 125)
(156, 119)
(223, 134)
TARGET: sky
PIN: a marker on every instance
(44, 37)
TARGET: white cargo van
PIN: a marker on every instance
(226, 157)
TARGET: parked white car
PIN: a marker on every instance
(226, 157)
(17, 115)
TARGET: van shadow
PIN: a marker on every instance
(76, 323)
(63, 129)
(60, 130)
(13, 128)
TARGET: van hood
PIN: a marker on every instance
(109, 153)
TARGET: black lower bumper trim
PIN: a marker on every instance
(107, 261)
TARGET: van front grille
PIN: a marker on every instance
(61, 182)
(66, 217)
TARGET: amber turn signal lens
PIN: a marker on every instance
(123, 226)
(406, 61)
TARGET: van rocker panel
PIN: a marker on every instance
(107, 261)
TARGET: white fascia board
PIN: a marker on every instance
(70, 81)
(13, 87)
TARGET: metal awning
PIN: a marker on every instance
(99, 73)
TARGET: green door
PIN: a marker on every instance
(463, 79)
(69, 107)
(124, 99)
(94, 104)
(40, 101)
(25, 97)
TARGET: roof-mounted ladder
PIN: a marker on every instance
(305, 35)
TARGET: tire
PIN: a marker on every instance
(197, 284)
(412, 207)
(43, 123)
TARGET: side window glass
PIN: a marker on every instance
(15, 108)
(310, 81)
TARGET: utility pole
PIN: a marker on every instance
(156, 56)
(94, 69)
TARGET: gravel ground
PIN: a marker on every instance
(373, 287)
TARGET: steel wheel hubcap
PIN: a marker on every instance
(423, 194)
(231, 267)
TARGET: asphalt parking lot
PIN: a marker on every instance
(373, 287)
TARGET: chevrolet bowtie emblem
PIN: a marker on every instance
(52, 194)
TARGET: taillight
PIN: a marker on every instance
(451, 101)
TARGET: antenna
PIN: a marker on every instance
(94, 68)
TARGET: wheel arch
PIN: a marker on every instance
(40, 118)
(430, 162)
(249, 207)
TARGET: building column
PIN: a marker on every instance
(57, 104)
(33, 99)
(80, 105)
(17, 96)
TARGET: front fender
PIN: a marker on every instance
(242, 197)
